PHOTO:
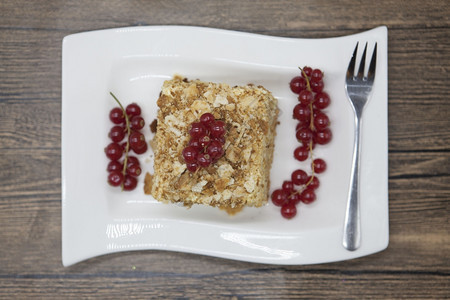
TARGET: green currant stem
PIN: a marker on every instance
(127, 148)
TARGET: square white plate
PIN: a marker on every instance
(133, 63)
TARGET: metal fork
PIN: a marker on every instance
(358, 89)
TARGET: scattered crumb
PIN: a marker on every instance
(148, 183)
(153, 126)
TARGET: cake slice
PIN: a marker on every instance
(241, 176)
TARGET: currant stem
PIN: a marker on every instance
(308, 86)
(127, 148)
(311, 126)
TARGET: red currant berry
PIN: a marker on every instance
(190, 154)
(294, 198)
(316, 74)
(314, 182)
(113, 151)
(133, 110)
(117, 133)
(141, 150)
(323, 137)
(301, 153)
(288, 187)
(321, 100)
(304, 135)
(279, 197)
(311, 144)
(192, 167)
(137, 123)
(217, 129)
(204, 141)
(301, 124)
(302, 112)
(319, 165)
(197, 130)
(288, 210)
(137, 140)
(307, 71)
(220, 139)
(316, 85)
(215, 149)
(115, 178)
(114, 165)
(308, 196)
(299, 177)
(206, 119)
(297, 84)
(134, 170)
(116, 116)
(132, 160)
(204, 160)
(129, 183)
(305, 97)
(194, 143)
(321, 121)
(124, 147)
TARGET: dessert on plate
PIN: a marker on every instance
(240, 177)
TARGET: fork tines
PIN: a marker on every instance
(362, 65)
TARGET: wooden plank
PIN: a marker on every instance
(245, 15)
(281, 284)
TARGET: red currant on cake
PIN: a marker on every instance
(190, 154)
(217, 129)
(206, 143)
(197, 130)
(206, 119)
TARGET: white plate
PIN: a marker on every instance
(133, 63)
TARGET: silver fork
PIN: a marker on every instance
(358, 89)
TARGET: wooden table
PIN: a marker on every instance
(416, 263)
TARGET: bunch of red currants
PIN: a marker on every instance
(206, 144)
(128, 123)
(312, 129)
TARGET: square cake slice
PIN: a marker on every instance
(241, 176)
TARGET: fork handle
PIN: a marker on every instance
(352, 224)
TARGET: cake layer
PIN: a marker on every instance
(241, 176)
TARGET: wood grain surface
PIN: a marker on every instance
(414, 266)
